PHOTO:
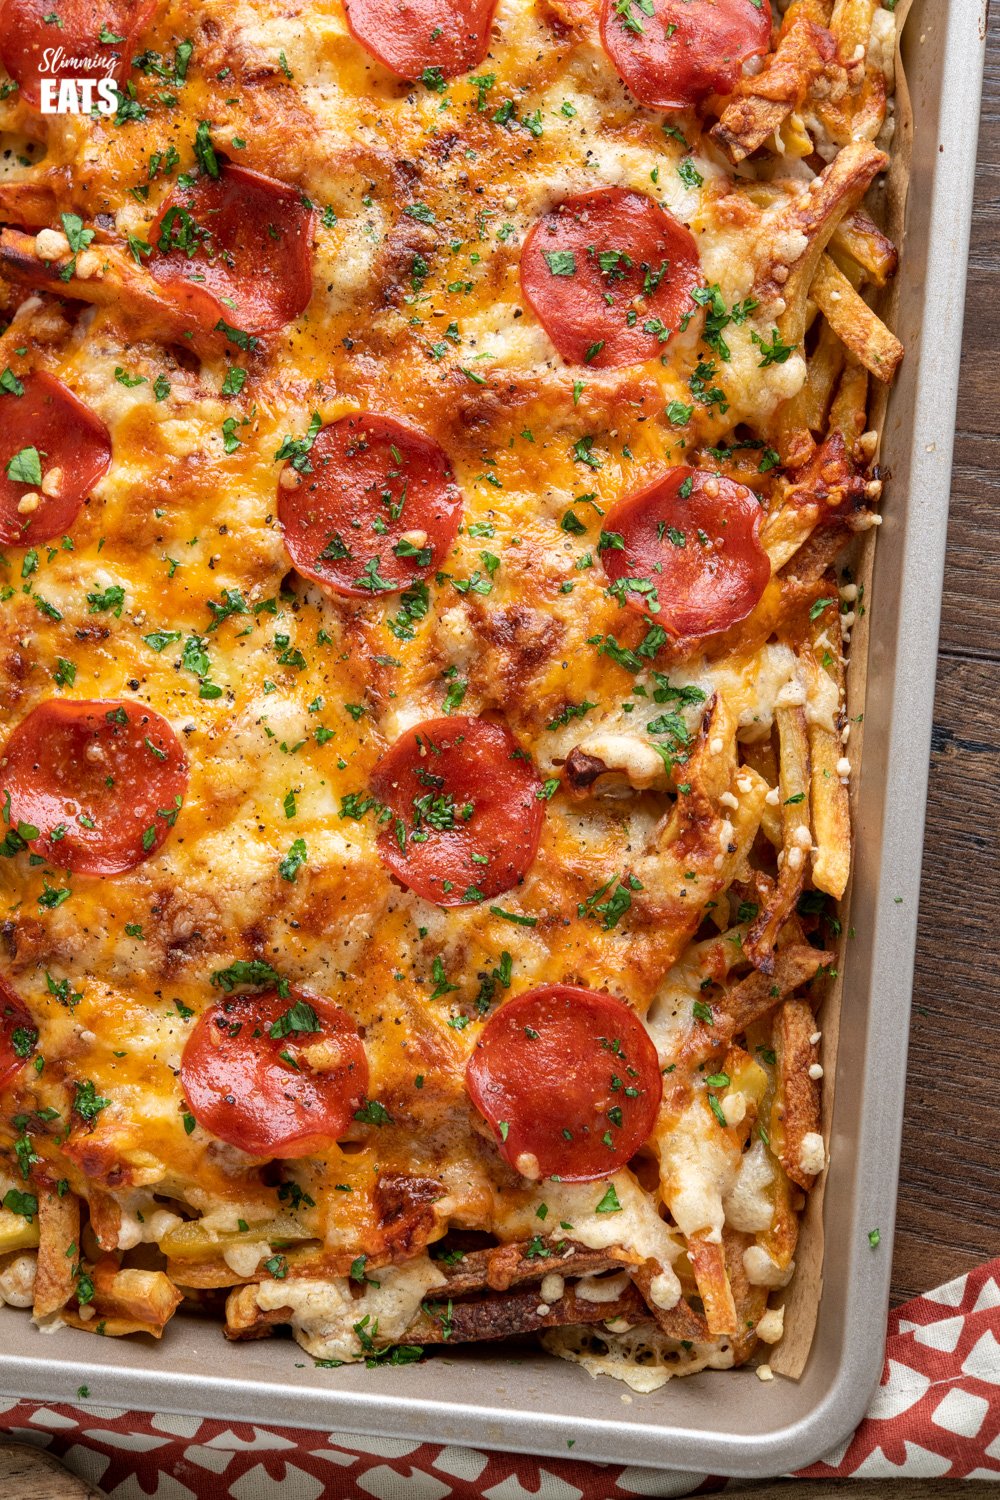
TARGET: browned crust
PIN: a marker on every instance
(795, 1111)
(58, 1233)
(505, 1315)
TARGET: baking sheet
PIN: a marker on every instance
(732, 1423)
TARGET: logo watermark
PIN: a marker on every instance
(89, 87)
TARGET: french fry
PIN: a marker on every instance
(245, 1320)
(849, 409)
(795, 1107)
(826, 492)
(822, 373)
(105, 1218)
(760, 103)
(796, 840)
(58, 1251)
(504, 1266)
(831, 819)
(851, 25)
(679, 1322)
(854, 106)
(758, 993)
(781, 1239)
(859, 238)
(508, 1314)
(147, 1297)
(805, 413)
(112, 1326)
(849, 315)
(35, 203)
(709, 1262)
(749, 1301)
(205, 1275)
(813, 215)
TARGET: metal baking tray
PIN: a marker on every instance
(730, 1423)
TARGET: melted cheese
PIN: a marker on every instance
(285, 696)
(326, 1316)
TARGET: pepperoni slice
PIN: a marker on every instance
(276, 1076)
(18, 1034)
(409, 36)
(569, 1080)
(377, 510)
(609, 275)
(686, 552)
(93, 787)
(466, 811)
(237, 247)
(685, 50)
(46, 432)
(55, 38)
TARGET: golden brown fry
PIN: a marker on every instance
(853, 321)
(831, 858)
(812, 216)
(147, 1296)
(33, 204)
(124, 1302)
(205, 1275)
(849, 409)
(853, 108)
(859, 237)
(796, 841)
(760, 103)
(679, 1322)
(114, 1326)
(806, 412)
(795, 1108)
(823, 496)
(780, 1240)
(508, 1314)
(504, 1266)
(58, 1251)
(105, 1218)
(245, 1320)
(819, 11)
(794, 966)
(709, 1264)
(750, 1301)
(822, 373)
(746, 1002)
(851, 25)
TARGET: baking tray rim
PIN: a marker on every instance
(29, 1372)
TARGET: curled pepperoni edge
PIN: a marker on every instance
(590, 1016)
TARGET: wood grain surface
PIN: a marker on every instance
(949, 1205)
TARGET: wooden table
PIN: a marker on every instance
(949, 1203)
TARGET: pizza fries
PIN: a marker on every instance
(432, 442)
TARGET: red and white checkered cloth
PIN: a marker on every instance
(936, 1413)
